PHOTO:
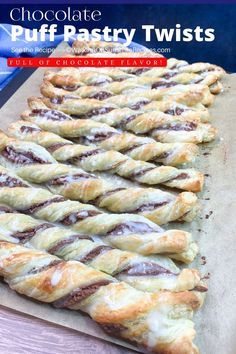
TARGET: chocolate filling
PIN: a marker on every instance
(149, 207)
(179, 177)
(35, 207)
(99, 199)
(5, 210)
(163, 84)
(200, 288)
(73, 218)
(98, 83)
(98, 111)
(120, 79)
(127, 120)
(163, 155)
(11, 182)
(50, 114)
(139, 71)
(198, 81)
(97, 251)
(131, 227)
(78, 177)
(140, 173)
(68, 241)
(22, 158)
(175, 111)
(139, 104)
(102, 95)
(144, 268)
(130, 148)
(28, 129)
(93, 112)
(77, 295)
(188, 127)
(24, 235)
(99, 136)
(169, 75)
(86, 154)
(56, 146)
(45, 267)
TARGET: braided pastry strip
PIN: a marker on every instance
(177, 130)
(144, 273)
(158, 321)
(138, 148)
(33, 163)
(77, 79)
(160, 126)
(92, 159)
(189, 94)
(135, 105)
(124, 231)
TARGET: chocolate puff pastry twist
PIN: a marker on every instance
(34, 163)
(51, 116)
(128, 232)
(144, 273)
(92, 159)
(160, 321)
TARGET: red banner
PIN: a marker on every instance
(86, 62)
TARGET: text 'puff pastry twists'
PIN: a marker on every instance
(33, 163)
(144, 273)
(161, 127)
(111, 138)
(92, 159)
(135, 105)
(158, 321)
(124, 231)
(139, 148)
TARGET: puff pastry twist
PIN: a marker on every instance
(160, 126)
(51, 115)
(124, 231)
(130, 105)
(75, 80)
(189, 94)
(158, 321)
(144, 273)
(92, 159)
(138, 148)
(33, 163)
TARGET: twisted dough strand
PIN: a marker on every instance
(138, 148)
(161, 127)
(130, 104)
(92, 159)
(74, 80)
(33, 163)
(124, 231)
(44, 114)
(117, 307)
(144, 273)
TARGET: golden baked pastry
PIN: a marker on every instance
(34, 163)
(92, 159)
(124, 231)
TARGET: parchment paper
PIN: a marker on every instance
(214, 230)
